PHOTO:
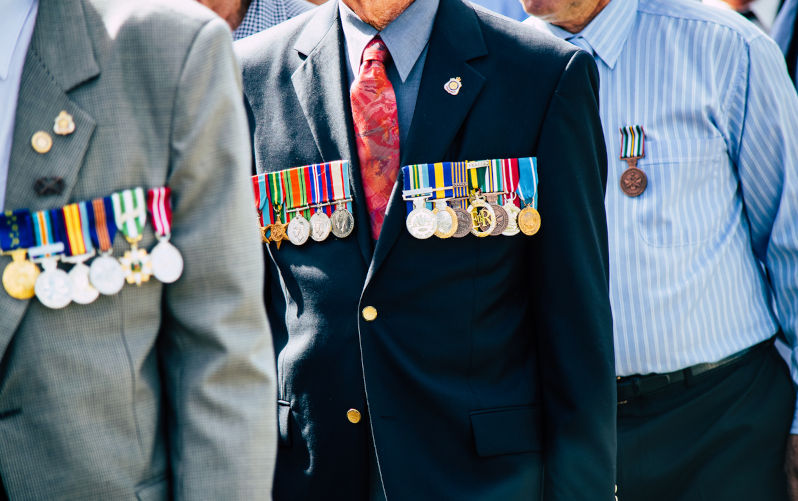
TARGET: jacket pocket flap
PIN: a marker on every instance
(506, 430)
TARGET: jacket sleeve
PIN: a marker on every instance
(215, 345)
(571, 304)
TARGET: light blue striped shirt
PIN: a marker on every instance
(690, 258)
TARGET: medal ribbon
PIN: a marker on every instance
(460, 182)
(296, 191)
(440, 178)
(16, 230)
(528, 181)
(77, 222)
(315, 176)
(130, 213)
(277, 205)
(159, 203)
(633, 140)
(493, 181)
(48, 229)
(510, 177)
(339, 174)
(256, 192)
(477, 177)
(102, 226)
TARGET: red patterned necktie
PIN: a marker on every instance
(376, 130)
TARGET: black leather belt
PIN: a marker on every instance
(635, 386)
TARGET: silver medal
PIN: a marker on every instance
(167, 263)
(298, 230)
(342, 222)
(320, 226)
(421, 222)
(106, 275)
(82, 290)
(512, 219)
(52, 287)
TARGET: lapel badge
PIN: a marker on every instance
(64, 124)
(41, 142)
(453, 86)
(45, 186)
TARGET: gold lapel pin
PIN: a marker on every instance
(64, 124)
(41, 142)
(453, 86)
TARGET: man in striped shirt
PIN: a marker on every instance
(703, 231)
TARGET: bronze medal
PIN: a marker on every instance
(464, 222)
(19, 277)
(529, 221)
(278, 233)
(502, 219)
(633, 182)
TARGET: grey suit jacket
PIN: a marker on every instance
(159, 391)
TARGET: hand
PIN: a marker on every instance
(791, 467)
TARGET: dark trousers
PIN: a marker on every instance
(718, 437)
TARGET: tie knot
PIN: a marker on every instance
(376, 50)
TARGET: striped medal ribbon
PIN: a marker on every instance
(77, 220)
(52, 287)
(440, 178)
(167, 262)
(130, 214)
(633, 181)
(511, 202)
(494, 188)
(105, 273)
(421, 221)
(320, 195)
(16, 236)
(529, 217)
(343, 222)
(276, 229)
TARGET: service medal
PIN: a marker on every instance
(106, 275)
(633, 181)
(529, 221)
(464, 222)
(421, 222)
(167, 262)
(80, 285)
(483, 217)
(52, 287)
(136, 265)
(19, 277)
(320, 226)
(298, 230)
(342, 222)
(130, 214)
(512, 219)
(446, 220)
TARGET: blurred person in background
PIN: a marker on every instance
(785, 33)
(247, 17)
(510, 8)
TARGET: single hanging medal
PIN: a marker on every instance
(482, 215)
(277, 227)
(343, 223)
(510, 178)
(298, 229)
(167, 262)
(320, 195)
(79, 250)
(445, 218)
(105, 272)
(53, 288)
(16, 236)
(421, 222)
(130, 213)
(494, 188)
(633, 180)
(458, 203)
(529, 217)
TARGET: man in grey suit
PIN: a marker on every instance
(160, 391)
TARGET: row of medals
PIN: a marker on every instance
(341, 224)
(483, 217)
(55, 288)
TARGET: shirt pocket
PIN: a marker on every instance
(680, 205)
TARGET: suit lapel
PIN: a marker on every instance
(321, 85)
(60, 57)
(456, 39)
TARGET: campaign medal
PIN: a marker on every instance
(494, 186)
(482, 215)
(277, 228)
(298, 229)
(512, 218)
(130, 214)
(320, 224)
(528, 218)
(343, 223)
(445, 220)
(458, 202)
(105, 273)
(633, 180)
(79, 249)
(421, 222)
(441, 178)
(167, 262)
(52, 286)
(16, 236)
(510, 185)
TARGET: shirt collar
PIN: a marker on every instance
(405, 37)
(608, 31)
(15, 14)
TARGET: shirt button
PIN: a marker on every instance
(369, 313)
(353, 415)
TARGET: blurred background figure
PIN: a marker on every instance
(247, 17)
(510, 8)
(783, 32)
(760, 12)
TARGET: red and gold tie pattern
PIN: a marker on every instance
(376, 131)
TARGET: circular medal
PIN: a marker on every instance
(421, 222)
(483, 217)
(167, 263)
(298, 230)
(446, 221)
(52, 288)
(82, 290)
(320, 226)
(512, 219)
(501, 220)
(529, 221)
(464, 222)
(342, 223)
(106, 275)
(633, 182)
(19, 278)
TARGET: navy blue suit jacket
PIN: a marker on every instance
(488, 372)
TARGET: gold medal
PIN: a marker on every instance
(529, 221)
(19, 277)
(446, 218)
(483, 217)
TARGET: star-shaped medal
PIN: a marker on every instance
(278, 233)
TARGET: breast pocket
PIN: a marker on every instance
(678, 207)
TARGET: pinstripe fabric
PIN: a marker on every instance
(721, 122)
(263, 14)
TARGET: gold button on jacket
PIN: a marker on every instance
(353, 415)
(369, 313)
